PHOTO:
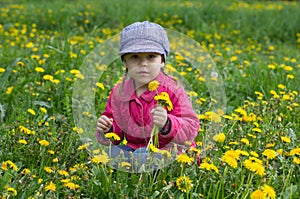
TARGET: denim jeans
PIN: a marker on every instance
(139, 159)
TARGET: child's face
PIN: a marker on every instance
(143, 67)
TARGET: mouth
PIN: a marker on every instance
(142, 72)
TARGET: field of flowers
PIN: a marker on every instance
(255, 46)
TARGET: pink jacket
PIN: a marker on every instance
(132, 118)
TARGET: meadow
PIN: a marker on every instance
(255, 151)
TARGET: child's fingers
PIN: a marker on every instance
(104, 123)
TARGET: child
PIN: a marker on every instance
(131, 110)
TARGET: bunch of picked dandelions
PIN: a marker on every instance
(163, 100)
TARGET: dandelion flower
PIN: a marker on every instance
(230, 161)
(50, 187)
(100, 85)
(11, 190)
(184, 183)
(296, 160)
(257, 130)
(231, 157)
(125, 164)
(48, 169)
(269, 153)
(23, 142)
(26, 171)
(219, 137)
(71, 185)
(2, 70)
(44, 143)
(63, 173)
(84, 146)
(269, 192)
(153, 148)
(295, 151)
(285, 139)
(152, 86)
(10, 164)
(103, 158)
(164, 100)
(257, 194)
(209, 167)
(31, 111)
(112, 136)
(39, 69)
(184, 158)
(254, 167)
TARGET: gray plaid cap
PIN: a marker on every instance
(144, 37)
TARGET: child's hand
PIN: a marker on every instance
(160, 116)
(104, 124)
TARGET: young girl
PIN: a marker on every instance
(131, 110)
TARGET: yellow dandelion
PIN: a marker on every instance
(44, 143)
(31, 111)
(48, 169)
(285, 139)
(44, 110)
(254, 167)
(269, 192)
(35, 57)
(100, 85)
(2, 70)
(39, 69)
(209, 167)
(184, 183)
(281, 86)
(230, 161)
(163, 99)
(245, 141)
(153, 85)
(22, 142)
(184, 158)
(26, 171)
(295, 151)
(269, 153)
(219, 137)
(113, 136)
(84, 146)
(9, 90)
(296, 160)
(103, 158)
(9, 164)
(257, 194)
(75, 71)
(71, 185)
(125, 164)
(153, 148)
(257, 130)
(12, 191)
(29, 45)
(50, 187)
(4, 166)
(48, 77)
(63, 173)
(231, 157)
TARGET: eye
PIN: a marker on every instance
(133, 56)
(151, 56)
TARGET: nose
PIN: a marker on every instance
(143, 61)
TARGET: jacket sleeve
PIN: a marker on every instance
(184, 122)
(108, 112)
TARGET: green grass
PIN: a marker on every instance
(255, 47)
